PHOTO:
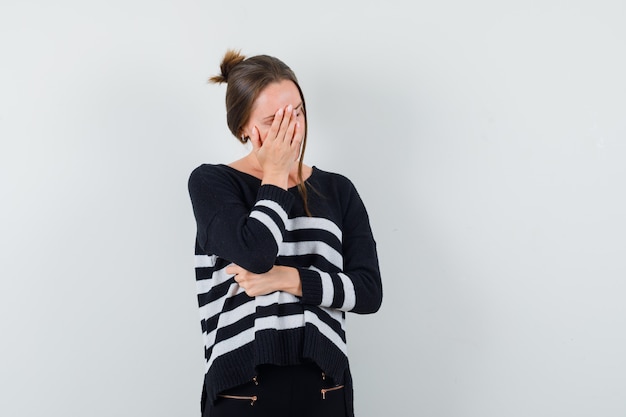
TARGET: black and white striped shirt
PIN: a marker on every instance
(258, 226)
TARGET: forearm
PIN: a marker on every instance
(358, 290)
(277, 179)
(279, 278)
(287, 279)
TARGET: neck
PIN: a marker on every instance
(254, 167)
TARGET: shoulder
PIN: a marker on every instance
(335, 189)
(334, 180)
(208, 170)
(215, 174)
(210, 177)
(223, 183)
(336, 186)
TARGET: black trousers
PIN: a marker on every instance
(283, 391)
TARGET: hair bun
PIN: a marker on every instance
(231, 58)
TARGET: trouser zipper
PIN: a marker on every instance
(325, 390)
(252, 399)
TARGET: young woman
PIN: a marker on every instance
(283, 251)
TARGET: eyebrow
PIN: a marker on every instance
(272, 116)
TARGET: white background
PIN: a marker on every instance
(487, 139)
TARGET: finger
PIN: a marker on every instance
(296, 142)
(285, 123)
(289, 135)
(232, 269)
(275, 127)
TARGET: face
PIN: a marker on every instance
(273, 97)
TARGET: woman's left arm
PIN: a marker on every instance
(358, 286)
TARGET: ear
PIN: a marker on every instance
(242, 136)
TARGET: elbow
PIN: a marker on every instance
(258, 267)
(377, 304)
(371, 302)
(257, 255)
(372, 306)
(258, 261)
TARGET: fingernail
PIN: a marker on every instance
(289, 108)
(280, 111)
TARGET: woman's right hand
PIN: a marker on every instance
(280, 148)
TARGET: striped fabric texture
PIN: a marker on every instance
(258, 226)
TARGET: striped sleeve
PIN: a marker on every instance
(357, 292)
(357, 287)
(228, 227)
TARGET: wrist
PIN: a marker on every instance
(290, 280)
(279, 180)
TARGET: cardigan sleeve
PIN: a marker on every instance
(358, 286)
(228, 227)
